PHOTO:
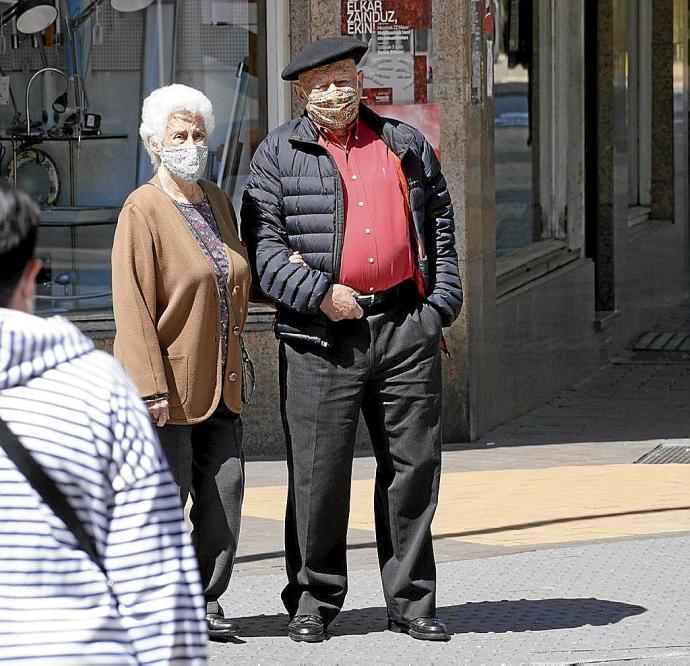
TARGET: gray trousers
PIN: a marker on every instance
(207, 462)
(388, 366)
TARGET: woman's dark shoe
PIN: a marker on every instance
(422, 628)
(220, 629)
(307, 628)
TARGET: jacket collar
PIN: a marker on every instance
(396, 139)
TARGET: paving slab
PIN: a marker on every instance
(620, 601)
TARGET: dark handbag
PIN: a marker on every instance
(49, 493)
(248, 377)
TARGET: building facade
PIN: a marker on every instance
(563, 134)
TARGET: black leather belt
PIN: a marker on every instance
(384, 300)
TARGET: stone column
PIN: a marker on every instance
(467, 154)
(662, 110)
(680, 116)
(612, 157)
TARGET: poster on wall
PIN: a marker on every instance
(399, 66)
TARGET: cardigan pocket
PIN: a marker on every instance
(176, 374)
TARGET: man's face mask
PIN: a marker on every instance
(335, 108)
(186, 162)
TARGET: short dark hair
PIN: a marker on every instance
(19, 217)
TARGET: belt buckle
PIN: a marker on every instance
(366, 300)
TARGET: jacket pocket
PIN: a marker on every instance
(312, 329)
(176, 374)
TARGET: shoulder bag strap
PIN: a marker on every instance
(48, 491)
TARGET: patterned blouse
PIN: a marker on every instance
(202, 224)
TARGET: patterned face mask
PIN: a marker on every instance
(335, 108)
(187, 163)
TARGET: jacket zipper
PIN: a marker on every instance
(339, 223)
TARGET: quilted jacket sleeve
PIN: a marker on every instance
(447, 295)
(263, 231)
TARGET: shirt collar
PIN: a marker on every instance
(330, 137)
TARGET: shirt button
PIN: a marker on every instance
(371, 260)
(236, 289)
(371, 289)
(367, 231)
(236, 330)
(361, 203)
(232, 377)
(354, 177)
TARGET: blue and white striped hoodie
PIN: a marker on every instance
(79, 415)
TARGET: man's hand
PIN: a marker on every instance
(339, 303)
(296, 258)
(160, 412)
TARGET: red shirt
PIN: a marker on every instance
(377, 253)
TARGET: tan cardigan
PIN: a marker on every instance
(166, 303)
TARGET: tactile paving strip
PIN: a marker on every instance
(586, 604)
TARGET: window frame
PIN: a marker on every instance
(558, 165)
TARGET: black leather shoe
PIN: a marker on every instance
(422, 628)
(307, 628)
(220, 629)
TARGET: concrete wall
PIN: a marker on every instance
(545, 341)
(546, 338)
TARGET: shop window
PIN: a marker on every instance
(513, 88)
(218, 47)
(538, 128)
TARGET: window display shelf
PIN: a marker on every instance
(22, 141)
(75, 244)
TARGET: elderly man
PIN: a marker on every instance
(350, 231)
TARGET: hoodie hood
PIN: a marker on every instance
(30, 346)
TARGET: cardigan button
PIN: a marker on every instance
(236, 289)
(236, 330)
(232, 377)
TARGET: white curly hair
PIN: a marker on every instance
(166, 101)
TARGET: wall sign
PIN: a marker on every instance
(399, 66)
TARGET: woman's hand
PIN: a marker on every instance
(160, 412)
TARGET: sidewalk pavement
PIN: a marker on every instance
(553, 547)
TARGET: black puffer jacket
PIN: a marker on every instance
(293, 200)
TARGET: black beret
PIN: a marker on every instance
(322, 52)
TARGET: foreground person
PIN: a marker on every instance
(180, 287)
(350, 231)
(72, 411)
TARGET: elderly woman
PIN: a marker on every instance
(180, 288)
